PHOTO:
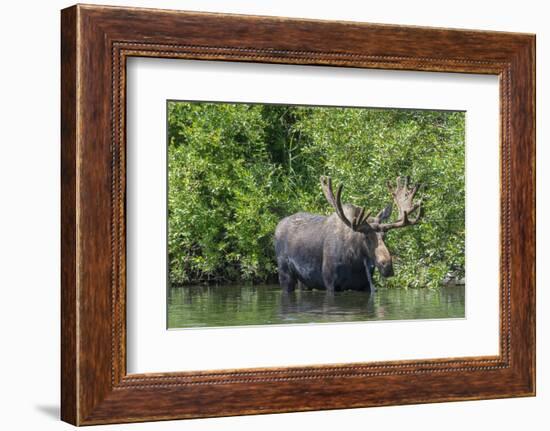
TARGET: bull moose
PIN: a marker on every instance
(340, 251)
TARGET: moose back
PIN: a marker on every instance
(341, 251)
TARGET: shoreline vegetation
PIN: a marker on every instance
(445, 283)
(235, 170)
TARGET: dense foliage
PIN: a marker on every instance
(235, 170)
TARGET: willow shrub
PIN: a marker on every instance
(235, 170)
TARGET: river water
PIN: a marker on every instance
(240, 305)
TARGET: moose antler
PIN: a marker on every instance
(382, 215)
(403, 197)
(360, 217)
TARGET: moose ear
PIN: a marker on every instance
(385, 213)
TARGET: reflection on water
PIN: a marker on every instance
(207, 306)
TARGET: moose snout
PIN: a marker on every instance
(386, 269)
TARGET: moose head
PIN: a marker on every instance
(373, 229)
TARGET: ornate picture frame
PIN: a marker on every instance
(96, 41)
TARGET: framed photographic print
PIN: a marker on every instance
(266, 215)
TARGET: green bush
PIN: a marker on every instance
(235, 170)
